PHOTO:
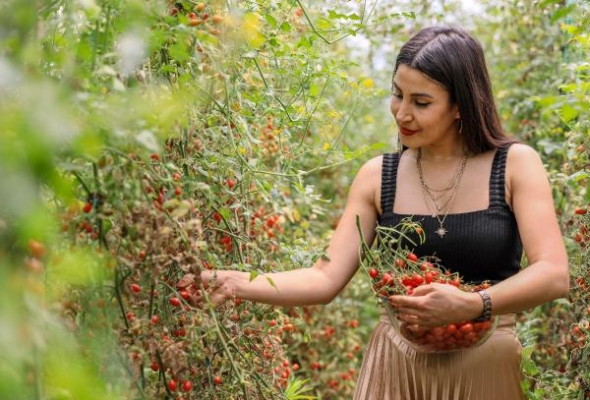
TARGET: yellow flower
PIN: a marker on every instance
(326, 146)
(368, 83)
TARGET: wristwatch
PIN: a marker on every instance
(486, 314)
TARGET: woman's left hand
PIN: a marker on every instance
(437, 304)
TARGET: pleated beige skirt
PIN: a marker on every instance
(392, 370)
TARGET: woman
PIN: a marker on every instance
(481, 198)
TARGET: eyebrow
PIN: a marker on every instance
(414, 94)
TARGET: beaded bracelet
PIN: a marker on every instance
(486, 314)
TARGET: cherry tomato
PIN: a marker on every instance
(466, 328)
(175, 301)
(187, 386)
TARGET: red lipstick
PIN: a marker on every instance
(406, 131)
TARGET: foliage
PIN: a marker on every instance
(541, 71)
(144, 141)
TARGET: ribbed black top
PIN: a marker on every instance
(479, 245)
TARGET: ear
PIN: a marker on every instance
(455, 110)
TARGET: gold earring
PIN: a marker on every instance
(460, 126)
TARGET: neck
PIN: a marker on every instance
(440, 155)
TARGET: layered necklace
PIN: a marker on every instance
(440, 201)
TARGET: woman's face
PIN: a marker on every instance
(423, 110)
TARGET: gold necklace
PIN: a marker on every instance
(429, 197)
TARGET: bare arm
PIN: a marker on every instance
(320, 283)
(545, 278)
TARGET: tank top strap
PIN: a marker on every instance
(388, 181)
(498, 179)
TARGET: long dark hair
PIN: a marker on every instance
(453, 58)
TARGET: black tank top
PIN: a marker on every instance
(479, 245)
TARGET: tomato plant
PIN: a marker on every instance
(141, 143)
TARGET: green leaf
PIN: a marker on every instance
(224, 212)
(272, 283)
(547, 100)
(271, 20)
(304, 42)
(568, 112)
(178, 51)
(253, 275)
(324, 24)
(286, 27)
(562, 12)
(527, 351)
(296, 390)
(314, 90)
(335, 15)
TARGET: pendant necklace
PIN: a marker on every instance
(431, 198)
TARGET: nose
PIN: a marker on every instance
(400, 110)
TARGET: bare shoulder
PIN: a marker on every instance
(526, 176)
(525, 173)
(369, 175)
(367, 182)
(523, 162)
(372, 166)
(370, 171)
(522, 158)
(520, 152)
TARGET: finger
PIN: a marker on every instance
(217, 298)
(206, 277)
(196, 298)
(406, 302)
(410, 319)
(185, 281)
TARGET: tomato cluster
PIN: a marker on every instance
(462, 335)
(455, 336)
(397, 271)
